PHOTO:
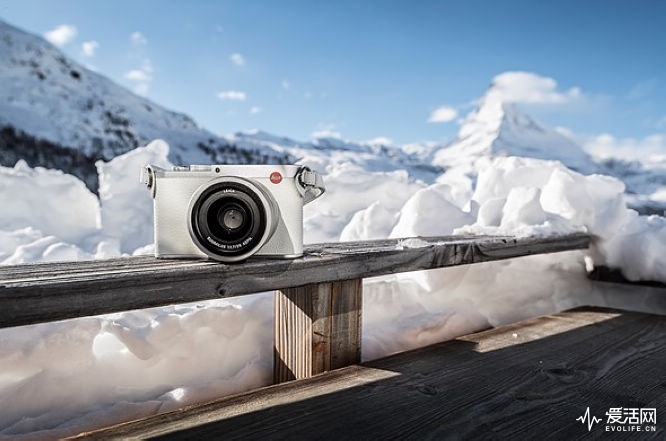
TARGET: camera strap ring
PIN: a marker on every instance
(310, 184)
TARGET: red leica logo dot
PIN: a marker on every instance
(276, 177)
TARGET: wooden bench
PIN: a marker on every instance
(317, 305)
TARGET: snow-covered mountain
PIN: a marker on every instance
(58, 114)
(327, 153)
(498, 128)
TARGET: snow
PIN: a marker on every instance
(63, 377)
(406, 311)
(504, 174)
(126, 205)
(497, 127)
(99, 370)
(35, 74)
(46, 202)
(430, 212)
(46, 214)
(350, 192)
(638, 248)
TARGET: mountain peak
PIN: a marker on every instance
(498, 128)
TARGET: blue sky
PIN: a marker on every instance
(367, 68)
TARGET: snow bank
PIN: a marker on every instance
(410, 310)
(431, 211)
(52, 216)
(60, 378)
(350, 193)
(63, 377)
(50, 201)
(524, 196)
(514, 196)
(43, 213)
(127, 206)
(638, 248)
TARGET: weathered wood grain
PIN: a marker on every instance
(345, 333)
(529, 380)
(317, 328)
(43, 292)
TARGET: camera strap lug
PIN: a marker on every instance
(147, 177)
(310, 184)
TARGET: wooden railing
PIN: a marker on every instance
(317, 302)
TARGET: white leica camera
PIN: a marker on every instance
(230, 212)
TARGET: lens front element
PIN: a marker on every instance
(230, 218)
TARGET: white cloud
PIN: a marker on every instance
(138, 39)
(607, 146)
(286, 85)
(528, 87)
(88, 48)
(256, 109)
(379, 140)
(61, 35)
(232, 95)
(138, 75)
(443, 114)
(326, 133)
(237, 59)
(141, 77)
(143, 74)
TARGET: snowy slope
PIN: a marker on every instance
(498, 128)
(645, 181)
(326, 153)
(56, 113)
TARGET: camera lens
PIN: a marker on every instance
(230, 220)
(227, 217)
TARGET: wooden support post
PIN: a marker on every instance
(317, 328)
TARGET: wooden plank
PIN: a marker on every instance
(321, 330)
(529, 380)
(317, 328)
(345, 330)
(44, 292)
